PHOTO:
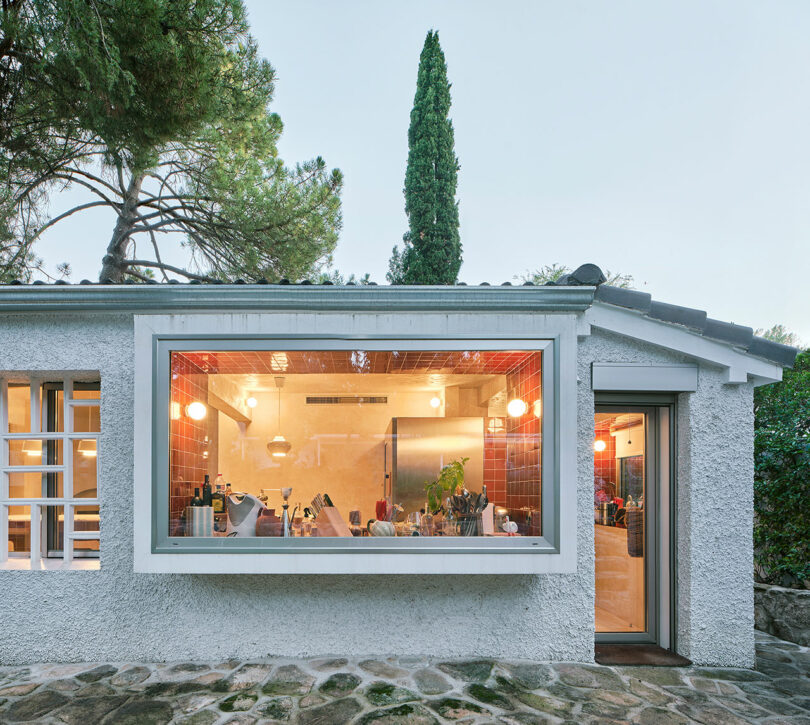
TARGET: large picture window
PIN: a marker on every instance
(343, 445)
(49, 509)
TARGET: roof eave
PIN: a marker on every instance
(267, 298)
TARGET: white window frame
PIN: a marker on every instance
(37, 558)
(554, 333)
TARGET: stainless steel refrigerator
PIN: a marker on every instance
(416, 449)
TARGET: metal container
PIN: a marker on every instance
(416, 450)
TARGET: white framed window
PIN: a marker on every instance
(49, 506)
(273, 405)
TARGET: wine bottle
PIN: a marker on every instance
(328, 501)
(196, 501)
(218, 499)
(206, 491)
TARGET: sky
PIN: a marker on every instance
(667, 140)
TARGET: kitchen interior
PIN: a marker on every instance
(352, 443)
(619, 486)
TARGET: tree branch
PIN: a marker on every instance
(64, 215)
(169, 267)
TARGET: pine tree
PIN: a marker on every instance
(432, 248)
(159, 110)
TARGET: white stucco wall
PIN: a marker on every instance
(116, 614)
(714, 469)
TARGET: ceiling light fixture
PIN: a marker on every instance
(599, 446)
(435, 401)
(516, 408)
(88, 448)
(196, 410)
(32, 448)
(251, 402)
(279, 447)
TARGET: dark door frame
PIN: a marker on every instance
(661, 587)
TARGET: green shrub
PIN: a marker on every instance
(782, 478)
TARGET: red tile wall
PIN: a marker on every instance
(495, 460)
(523, 449)
(189, 438)
(604, 462)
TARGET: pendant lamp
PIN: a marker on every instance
(279, 447)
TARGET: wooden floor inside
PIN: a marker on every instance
(606, 621)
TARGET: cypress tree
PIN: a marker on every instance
(432, 250)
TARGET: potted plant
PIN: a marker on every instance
(449, 481)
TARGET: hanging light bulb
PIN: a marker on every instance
(279, 447)
(435, 401)
(251, 402)
(599, 446)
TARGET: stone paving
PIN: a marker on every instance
(410, 690)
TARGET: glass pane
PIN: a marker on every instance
(19, 408)
(28, 485)
(55, 521)
(54, 419)
(86, 419)
(84, 468)
(85, 518)
(429, 442)
(619, 521)
(86, 394)
(34, 452)
(19, 530)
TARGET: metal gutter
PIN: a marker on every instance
(168, 299)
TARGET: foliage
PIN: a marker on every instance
(432, 248)
(780, 333)
(450, 479)
(159, 110)
(549, 273)
(782, 477)
(334, 276)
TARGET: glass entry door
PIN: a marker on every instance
(624, 508)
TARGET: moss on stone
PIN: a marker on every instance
(488, 696)
(239, 702)
(384, 693)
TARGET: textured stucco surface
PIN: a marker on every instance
(714, 471)
(116, 614)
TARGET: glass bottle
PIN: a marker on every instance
(196, 501)
(206, 491)
(218, 499)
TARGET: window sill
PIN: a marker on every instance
(404, 562)
(24, 564)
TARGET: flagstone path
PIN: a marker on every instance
(409, 690)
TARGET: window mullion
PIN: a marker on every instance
(3, 475)
(67, 447)
(36, 405)
(3, 531)
(67, 474)
(67, 534)
(35, 536)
